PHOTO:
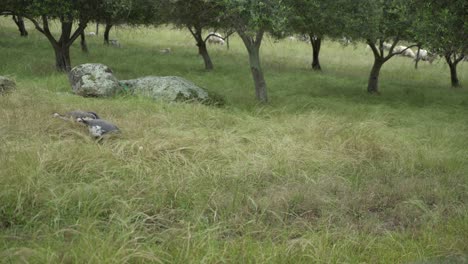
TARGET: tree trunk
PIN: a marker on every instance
(257, 74)
(67, 37)
(203, 51)
(20, 23)
(453, 75)
(417, 58)
(373, 85)
(62, 58)
(252, 44)
(84, 46)
(196, 32)
(97, 28)
(106, 33)
(453, 68)
(316, 44)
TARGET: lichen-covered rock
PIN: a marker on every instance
(171, 88)
(6, 85)
(93, 80)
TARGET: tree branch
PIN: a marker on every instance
(381, 48)
(248, 41)
(462, 56)
(191, 31)
(391, 53)
(36, 24)
(214, 35)
(7, 13)
(81, 27)
(373, 48)
(394, 45)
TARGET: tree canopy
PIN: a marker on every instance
(377, 23)
(442, 27)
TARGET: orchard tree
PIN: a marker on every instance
(196, 16)
(131, 12)
(68, 13)
(379, 22)
(115, 12)
(443, 28)
(317, 19)
(251, 19)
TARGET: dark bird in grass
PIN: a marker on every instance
(99, 127)
(75, 115)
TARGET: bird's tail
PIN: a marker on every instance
(95, 115)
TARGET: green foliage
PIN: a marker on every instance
(319, 17)
(68, 10)
(443, 26)
(145, 12)
(384, 20)
(251, 16)
(192, 13)
(115, 11)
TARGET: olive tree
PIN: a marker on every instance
(317, 19)
(251, 19)
(115, 12)
(72, 15)
(196, 16)
(382, 24)
(443, 28)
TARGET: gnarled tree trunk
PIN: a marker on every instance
(62, 58)
(106, 33)
(316, 44)
(453, 68)
(67, 37)
(257, 74)
(84, 46)
(20, 23)
(417, 57)
(253, 48)
(373, 84)
(196, 32)
(454, 76)
(203, 51)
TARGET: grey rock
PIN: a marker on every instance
(93, 80)
(6, 85)
(170, 88)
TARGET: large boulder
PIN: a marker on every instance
(6, 85)
(171, 88)
(93, 80)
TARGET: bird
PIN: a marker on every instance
(99, 127)
(74, 115)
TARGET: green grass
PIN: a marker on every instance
(323, 174)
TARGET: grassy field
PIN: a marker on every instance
(323, 174)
